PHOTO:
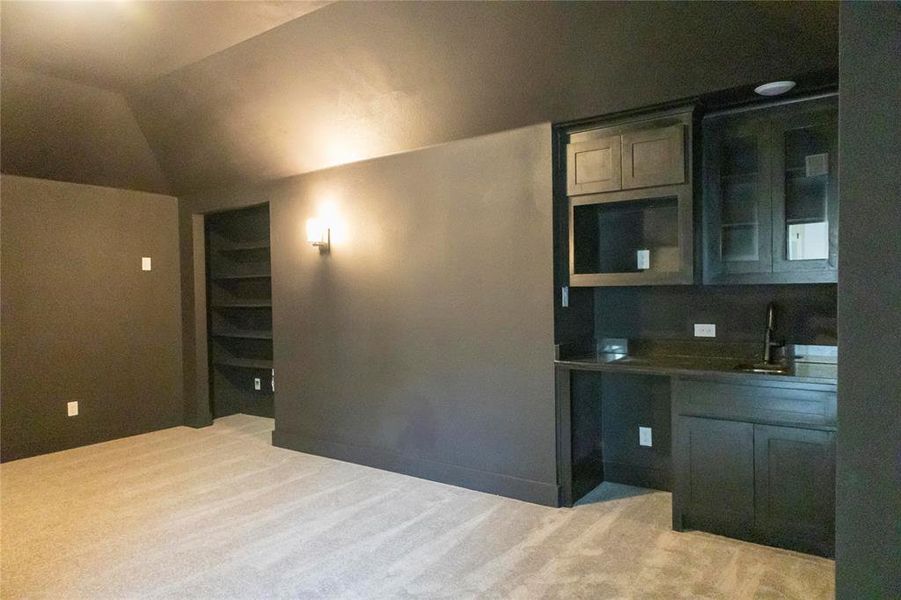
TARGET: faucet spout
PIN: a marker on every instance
(768, 342)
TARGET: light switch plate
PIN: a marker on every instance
(145, 263)
(564, 296)
(644, 436)
(72, 409)
(256, 383)
(705, 330)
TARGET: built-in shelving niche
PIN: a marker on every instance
(239, 297)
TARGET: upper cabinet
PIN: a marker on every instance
(629, 190)
(770, 192)
(654, 156)
(594, 166)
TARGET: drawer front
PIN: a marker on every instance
(755, 403)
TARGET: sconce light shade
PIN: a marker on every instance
(314, 231)
(318, 235)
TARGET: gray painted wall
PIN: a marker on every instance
(424, 342)
(354, 80)
(66, 131)
(868, 509)
(81, 320)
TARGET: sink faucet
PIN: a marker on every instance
(768, 343)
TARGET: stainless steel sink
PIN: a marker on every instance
(764, 368)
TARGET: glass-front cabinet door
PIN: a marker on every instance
(805, 190)
(737, 200)
(771, 193)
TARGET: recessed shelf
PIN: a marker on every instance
(244, 335)
(243, 363)
(244, 246)
(227, 305)
(238, 276)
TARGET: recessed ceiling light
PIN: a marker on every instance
(774, 88)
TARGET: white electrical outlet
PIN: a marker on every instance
(705, 330)
(145, 263)
(256, 383)
(72, 409)
(644, 436)
(643, 258)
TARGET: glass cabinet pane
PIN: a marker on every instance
(807, 191)
(740, 187)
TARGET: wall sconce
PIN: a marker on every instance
(319, 235)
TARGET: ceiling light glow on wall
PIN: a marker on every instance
(319, 235)
(774, 88)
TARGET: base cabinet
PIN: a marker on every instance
(794, 475)
(740, 476)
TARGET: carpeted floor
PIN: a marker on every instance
(219, 513)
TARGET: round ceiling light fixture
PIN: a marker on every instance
(774, 88)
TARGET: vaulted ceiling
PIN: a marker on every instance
(226, 92)
(121, 45)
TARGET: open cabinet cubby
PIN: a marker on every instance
(239, 312)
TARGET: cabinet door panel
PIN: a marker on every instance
(795, 487)
(716, 475)
(805, 191)
(653, 157)
(593, 166)
(737, 203)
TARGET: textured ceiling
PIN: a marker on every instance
(122, 44)
(358, 80)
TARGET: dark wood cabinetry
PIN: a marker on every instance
(794, 474)
(756, 462)
(770, 193)
(629, 191)
(594, 166)
(715, 460)
(653, 156)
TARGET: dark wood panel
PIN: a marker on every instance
(653, 157)
(715, 475)
(594, 166)
(802, 405)
(795, 488)
(586, 425)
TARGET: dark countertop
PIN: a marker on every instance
(699, 366)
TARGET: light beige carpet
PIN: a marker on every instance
(219, 513)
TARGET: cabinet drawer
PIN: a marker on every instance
(653, 157)
(594, 166)
(810, 406)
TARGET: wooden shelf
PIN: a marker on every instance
(244, 335)
(731, 225)
(238, 276)
(245, 246)
(243, 363)
(267, 304)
